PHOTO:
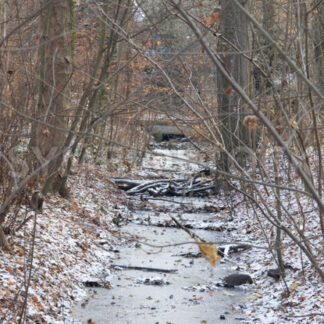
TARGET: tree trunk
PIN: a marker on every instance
(55, 59)
(230, 111)
(318, 28)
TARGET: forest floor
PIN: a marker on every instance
(76, 239)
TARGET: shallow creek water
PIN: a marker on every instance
(132, 301)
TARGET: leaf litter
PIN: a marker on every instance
(76, 240)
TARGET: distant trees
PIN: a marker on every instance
(86, 77)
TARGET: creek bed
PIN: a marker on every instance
(177, 299)
(188, 295)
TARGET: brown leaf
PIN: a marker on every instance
(209, 251)
(250, 121)
(229, 90)
(45, 132)
(294, 286)
(266, 140)
(212, 19)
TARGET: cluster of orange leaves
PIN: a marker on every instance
(212, 19)
(251, 121)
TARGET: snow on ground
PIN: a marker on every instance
(75, 238)
(268, 302)
(74, 241)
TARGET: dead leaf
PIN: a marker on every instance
(209, 251)
(229, 90)
(219, 145)
(266, 140)
(45, 131)
(294, 286)
(294, 124)
(212, 19)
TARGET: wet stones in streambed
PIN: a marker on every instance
(97, 283)
(276, 273)
(236, 279)
(152, 281)
(230, 281)
(222, 251)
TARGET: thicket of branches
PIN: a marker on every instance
(85, 80)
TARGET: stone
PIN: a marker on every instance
(237, 279)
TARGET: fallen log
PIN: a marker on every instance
(232, 248)
(125, 184)
(151, 184)
(167, 187)
(199, 189)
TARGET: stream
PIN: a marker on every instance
(189, 294)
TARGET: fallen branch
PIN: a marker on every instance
(143, 268)
(125, 184)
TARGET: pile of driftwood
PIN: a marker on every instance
(195, 186)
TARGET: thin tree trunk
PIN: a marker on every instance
(318, 29)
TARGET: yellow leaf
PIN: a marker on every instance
(225, 292)
(209, 251)
(158, 43)
(10, 113)
(153, 205)
(294, 124)
(293, 286)
(99, 214)
(253, 297)
(219, 145)
(45, 132)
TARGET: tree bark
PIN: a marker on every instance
(229, 109)
(55, 57)
(318, 28)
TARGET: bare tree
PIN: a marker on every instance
(55, 57)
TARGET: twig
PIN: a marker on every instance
(27, 285)
(307, 315)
